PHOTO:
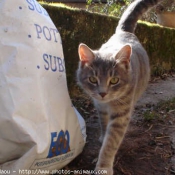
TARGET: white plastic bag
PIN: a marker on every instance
(39, 127)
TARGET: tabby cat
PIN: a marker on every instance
(115, 76)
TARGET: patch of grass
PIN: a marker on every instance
(162, 110)
(149, 115)
(166, 106)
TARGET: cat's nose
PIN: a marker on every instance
(102, 94)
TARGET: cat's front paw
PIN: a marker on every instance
(103, 171)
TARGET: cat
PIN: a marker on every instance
(115, 76)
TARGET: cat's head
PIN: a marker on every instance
(104, 75)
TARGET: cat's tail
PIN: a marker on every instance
(130, 17)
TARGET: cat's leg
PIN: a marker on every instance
(103, 119)
(115, 132)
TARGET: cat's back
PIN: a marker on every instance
(120, 39)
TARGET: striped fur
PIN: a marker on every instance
(115, 76)
(130, 17)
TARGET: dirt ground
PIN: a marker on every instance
(149, 144)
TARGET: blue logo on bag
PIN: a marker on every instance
(59, 143)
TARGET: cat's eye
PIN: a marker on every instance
(114, 80)
(93, 80)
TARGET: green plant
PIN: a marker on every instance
(166, 5)
(117, 7)
(162, 110)
(149, 115)
(112, 7)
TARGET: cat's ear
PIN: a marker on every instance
(124, 55)
(86, 55)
